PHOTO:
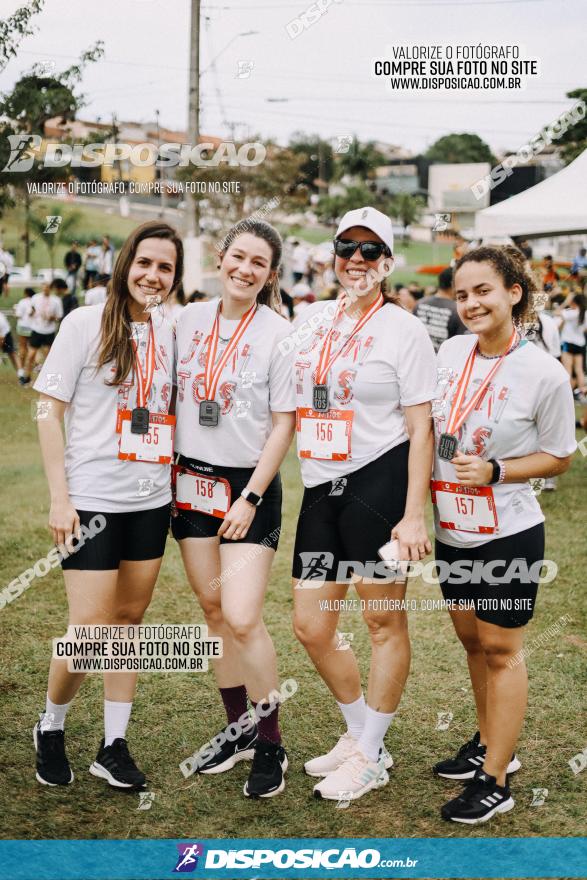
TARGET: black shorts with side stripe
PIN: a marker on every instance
(264, 529)
(503, 593)
(348, 519)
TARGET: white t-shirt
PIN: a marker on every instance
(527, 408)
(97, 479)
(388, 365)
(96, 295)
(255, 382)
(4, 326)
(172, 312)
(47, 311)
(551, 341)
(571, 331)
(23, 310)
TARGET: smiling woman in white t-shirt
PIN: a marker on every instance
(364, 373)
(235, 422)
(110, 377)
(503, 415)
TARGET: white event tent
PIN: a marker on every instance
(556, 206)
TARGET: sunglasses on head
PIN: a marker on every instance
(370, 250)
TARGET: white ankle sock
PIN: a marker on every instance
(116, 717)
(354, 715)
(376, 725)
(54, 717)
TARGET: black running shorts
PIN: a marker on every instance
(266, 525)
(505, 598)
(348, 519)
(134, 537)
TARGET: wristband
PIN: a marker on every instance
(496, 471)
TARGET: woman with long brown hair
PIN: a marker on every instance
(109, 376)
(235, 422)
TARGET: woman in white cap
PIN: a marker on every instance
(364, 375)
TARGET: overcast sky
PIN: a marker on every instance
(324, 73)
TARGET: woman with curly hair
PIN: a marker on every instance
(503, 415)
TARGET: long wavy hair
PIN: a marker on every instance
(269, 295)
(116, 332)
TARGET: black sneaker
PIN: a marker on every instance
(468, 760)
(266, 776)
(229, 753)
(478, 801)
(115, 764)
(52, 764)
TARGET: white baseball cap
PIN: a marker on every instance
(372, 219)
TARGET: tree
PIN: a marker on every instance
(360, 160)
(318, 160)
(51, 237)
(407, 207)
(574, 139)
(14, 28)
(279, 176)
(456, 148)
(34, 100)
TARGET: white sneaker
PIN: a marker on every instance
(325, 764)
(354, 778)
(332, 760)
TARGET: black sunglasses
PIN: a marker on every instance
(370, 250)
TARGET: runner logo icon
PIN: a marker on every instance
(187, 860)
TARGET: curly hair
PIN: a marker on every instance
(510, 264)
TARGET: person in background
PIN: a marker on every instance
(406, 299)
(46, 312)
(72, 262)
(106, 257)
(571, 319)
(68, 297)
(439, 313)
(91, 262)
(6, 266)
(97, 291)
(579, 264)
(302, 297)
(525, 249)
(299, 258)
(198, 296)
(7, 344)
(23, 311)
(550, 276)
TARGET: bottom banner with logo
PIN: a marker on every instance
(520, 857)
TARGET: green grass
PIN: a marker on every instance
(176, 713)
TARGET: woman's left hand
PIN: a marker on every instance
(413, 539)
(237, 521)
(472, 470)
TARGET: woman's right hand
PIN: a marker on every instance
(63, 520)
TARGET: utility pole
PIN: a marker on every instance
(193, 133)
(160, 176)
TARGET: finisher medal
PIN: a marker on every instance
(209, 413)
(320, 398)
(447, 446)
(139, 420)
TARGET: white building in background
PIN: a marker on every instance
(449, 191)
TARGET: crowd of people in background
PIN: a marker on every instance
(559, 326)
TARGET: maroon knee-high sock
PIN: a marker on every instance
(235, 702)
(268, 725)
